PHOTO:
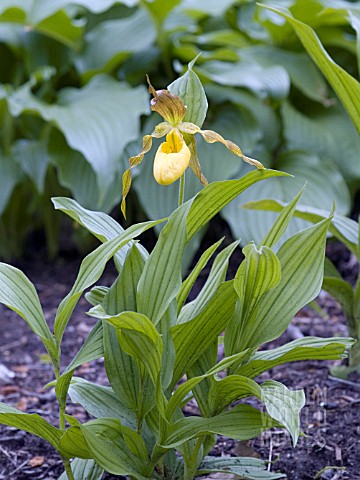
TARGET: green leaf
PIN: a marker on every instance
(99, 401)
(281, 222)
(343, 292)
(301, 258)
(343, 228)
(284, 405)
(139, 338)
(107, 129)
(90, 271)
(259, 273)
(120, 367)
(19, 294)
(84, 470)
(102, 226)
(112, 41)
(73, 444)
(33, 158)
(10, 176)
(160, 281)
(215, 196)
(192, 338)
(241, 423)
(251, 468)
(264, 82)
(92, 349)
(191, 279)
(216, 277)
(346, 87)
(96, 295)
(186, 387)
(324, 183)
(106, 441)
(189, 88)
(308, 348)
(31, 423)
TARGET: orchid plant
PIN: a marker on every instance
(161, 351)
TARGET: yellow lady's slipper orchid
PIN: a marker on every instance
(179, 151)
(171, 159)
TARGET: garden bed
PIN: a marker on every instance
(330, 420)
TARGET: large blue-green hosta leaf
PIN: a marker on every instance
(324, 184)
(111, 42)
(98, 120)
(265, 82)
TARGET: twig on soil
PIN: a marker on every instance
(345, 382)
(270, 454)
(18, 468)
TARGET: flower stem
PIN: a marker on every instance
(181, 190)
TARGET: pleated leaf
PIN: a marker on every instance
(216, 277)
(99, 401)
(31, 423)
(90, 271)
(343, 228)
(308, 348)
(84, 469)
(241, 423)
(101, 225)
(106, 442)
(258, 274)
(250, 468)
(192, 338)
(193, 275)
(302, 259)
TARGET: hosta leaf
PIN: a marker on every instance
(84, 469)
(241, 423)
(31, 423)
(308, 348)
(324, 183)
(347, 88)
(33, 158)
(76, 174)
(10, 176)
(265, 82)
(112, 41)
(107, 129)
(343, 292)
(105, 440)
(90, 271)
(189, 88)
(302, 72)
(216, 277)
(251, 468)
(192, 338)
(99, 401)
(343, 228)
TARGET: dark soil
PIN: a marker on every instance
(330, 420)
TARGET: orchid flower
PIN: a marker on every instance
(178, 152)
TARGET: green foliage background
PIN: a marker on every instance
(73, 103)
